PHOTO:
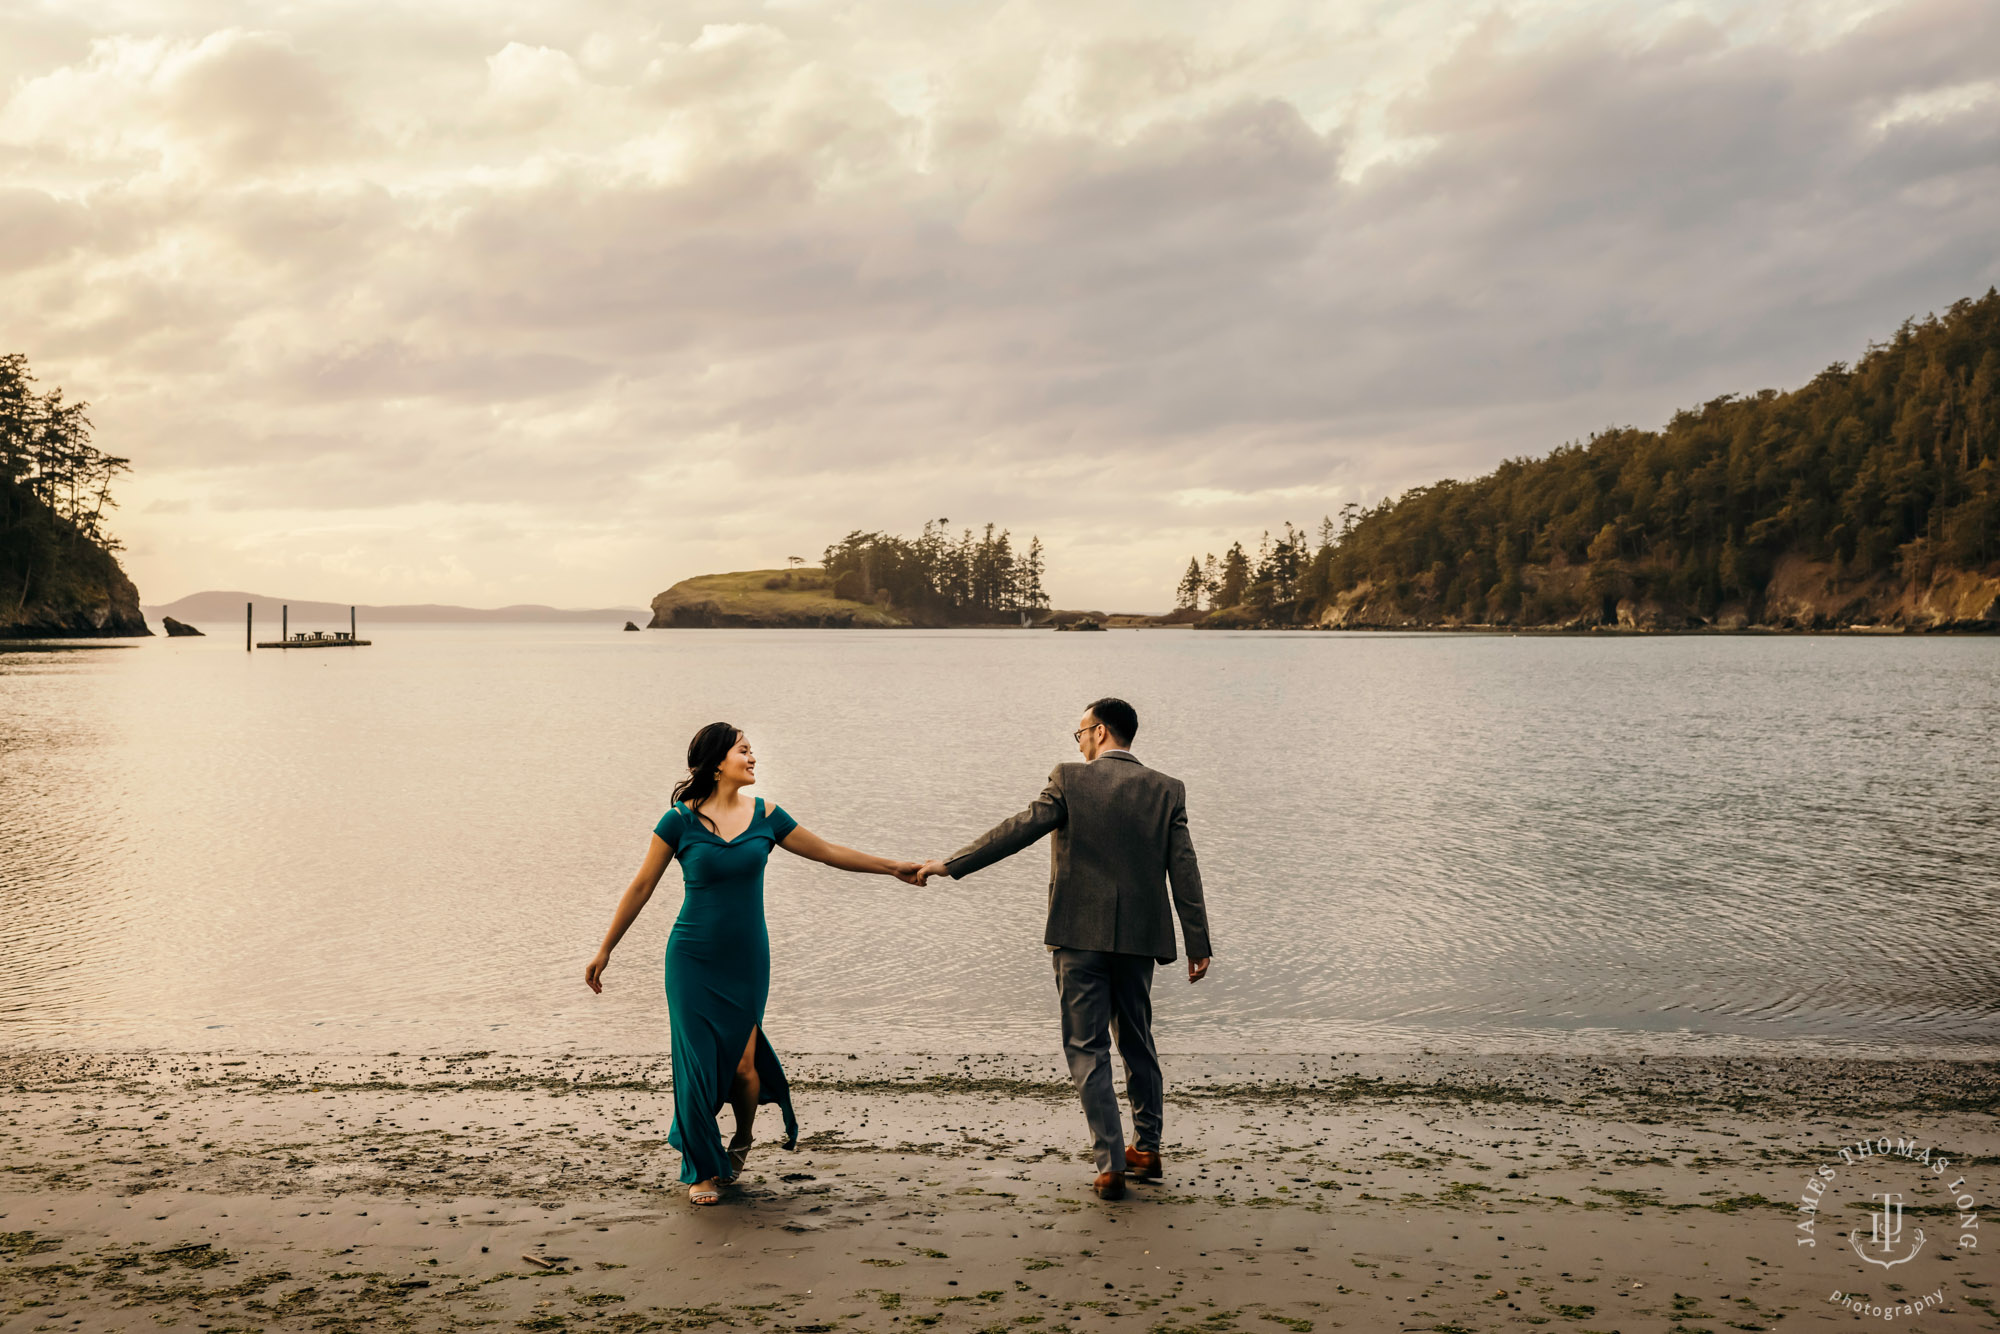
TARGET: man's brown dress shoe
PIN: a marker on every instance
(1144, 1164)
(1110, 1185)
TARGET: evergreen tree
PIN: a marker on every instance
(1028, 594)
(45, 445)
(1188, 596)
(1313, 578)
(971, 578)
(1604, 546)
(1235, 576)
(19, 409)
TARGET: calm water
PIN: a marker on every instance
(1409, 841)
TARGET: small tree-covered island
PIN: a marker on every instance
(1868, 499)
(59, 576)
(874, 581)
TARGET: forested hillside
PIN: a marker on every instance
(1870, 496)
(58, 573)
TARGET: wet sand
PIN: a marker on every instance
(1428, 1192)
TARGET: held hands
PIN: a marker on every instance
(929, 869)
(910, 873)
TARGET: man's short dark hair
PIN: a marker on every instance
(1118, 717)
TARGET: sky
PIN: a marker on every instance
(512, 301)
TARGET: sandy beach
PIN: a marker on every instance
(1429, 1192)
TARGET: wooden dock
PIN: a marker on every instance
(303, 639)
(335, 640)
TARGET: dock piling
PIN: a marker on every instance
(285, 621)
(248, 609)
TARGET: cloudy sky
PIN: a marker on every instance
(561, 302)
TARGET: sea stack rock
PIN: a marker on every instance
(175, 629)
(630, 626)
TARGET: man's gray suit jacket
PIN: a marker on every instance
(1121, 839)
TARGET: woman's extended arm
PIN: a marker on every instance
(805, 843)
(629, 903)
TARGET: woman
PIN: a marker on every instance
(719, 954)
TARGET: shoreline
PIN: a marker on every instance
(1978, 630)
(1752, 631)
(469, 1190)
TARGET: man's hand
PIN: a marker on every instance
(931, 868)
(1197, 969)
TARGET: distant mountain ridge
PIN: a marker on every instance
(215, 606)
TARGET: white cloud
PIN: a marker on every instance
(561, 304)
(231, 100)
(526, 84)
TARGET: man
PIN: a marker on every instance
(1121, 839)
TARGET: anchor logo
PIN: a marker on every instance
(1886, 1232)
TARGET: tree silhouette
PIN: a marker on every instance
(1235, 576)
(1188, 596)
(55, 486)
(970, 578)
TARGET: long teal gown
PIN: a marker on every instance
(718, 976)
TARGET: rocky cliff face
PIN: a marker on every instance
(1808, 595)
(1802, 595)
(105, 607)
(712, 613)
(54, 582)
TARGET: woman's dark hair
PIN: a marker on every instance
(711, 745)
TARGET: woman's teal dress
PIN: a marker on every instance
(718, 975)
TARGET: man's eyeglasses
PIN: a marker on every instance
(1077, 735)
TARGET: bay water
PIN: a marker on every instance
(1443, 842)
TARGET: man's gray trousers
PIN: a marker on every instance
(1107, 996)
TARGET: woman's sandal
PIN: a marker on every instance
(738, 1154)
(700, 1194)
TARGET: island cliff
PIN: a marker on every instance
(58, 574)
(54, 581)
(871, 580)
